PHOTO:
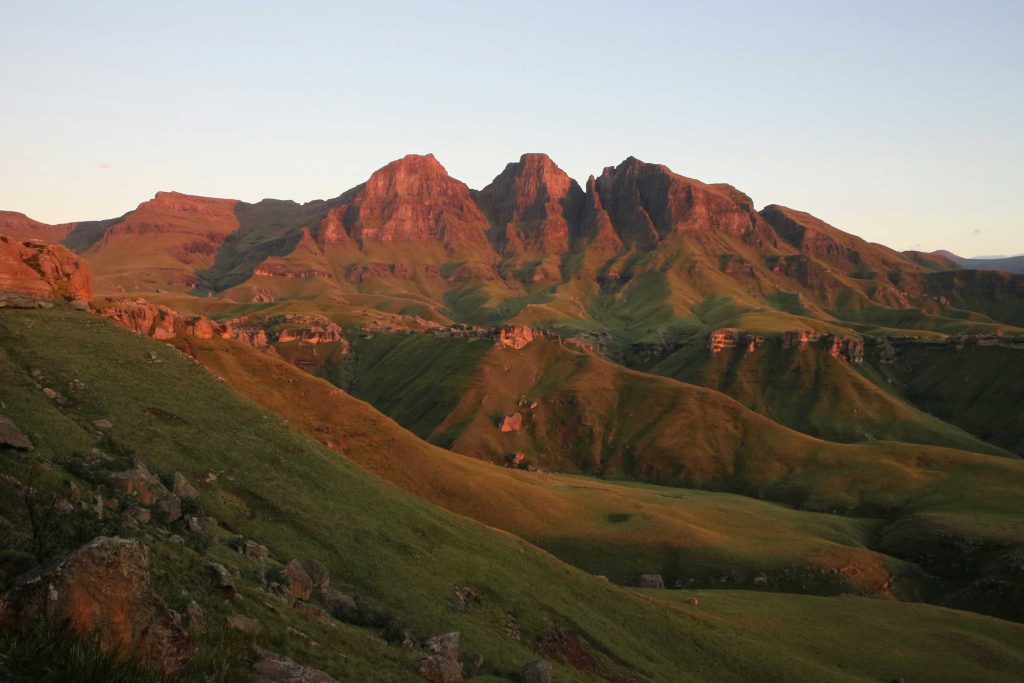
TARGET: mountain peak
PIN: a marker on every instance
(413, 199)
(530, 204)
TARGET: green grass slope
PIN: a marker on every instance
(397, 552)
(618, 529)
(811, 391)
(977, 388)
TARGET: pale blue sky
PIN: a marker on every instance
(897, 121)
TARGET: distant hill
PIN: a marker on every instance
(1006, 264)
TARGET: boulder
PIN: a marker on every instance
(103, 424)
(146, 489)
(317, 573)
(222, 578)
(336, 601)
(183, 489)
(537, 671)
(274, 668)
(139, 483)
(299, 584)
(511, 423)
(437, 669)
(195, 618)
(246, 625)
(102, 590)
(652, 581)
(194, 523)
(170, 506)
(12, 437)
(255, 551)
(442, 665)
(464, 597)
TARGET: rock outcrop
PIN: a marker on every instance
(300, 585)
(413, 200)
(34, 274)
(102, 590)
(146, 489)
(847, 349)
(648, 203)
(144, 318)
(442, 665)
(652, 581)
(12, 437)
(516, 336)
(795, 339)
(311, 329)
(537, 671)
(275, 668)
(727, 338)
(511, 423)
(722, 339)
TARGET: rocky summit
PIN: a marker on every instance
(629, 429)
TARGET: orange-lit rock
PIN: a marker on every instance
(721, 339)
(515, 336)
(145, 318)
(799, 338)
(36, 274)
(511, 423)
(530, 206)
(102, 590)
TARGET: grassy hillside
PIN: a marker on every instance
(398, 553)
(810, 391)
(917, 635)
(977, 388)
(583, 414)
(956, 514)
(616, 529)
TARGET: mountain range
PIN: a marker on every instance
(633, 429)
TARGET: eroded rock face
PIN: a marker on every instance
(145, 318)
(515, 336)
(722, 339)
(103, 590)
(799, 338)
(414, 200)
(531, 206)
(648, 202)
(311, 329)
(34, 274)
(727, 338)
(847, 349)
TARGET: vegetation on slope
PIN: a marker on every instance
(813, 392)
(388, 547)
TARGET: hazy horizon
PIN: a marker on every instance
(902, 129)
